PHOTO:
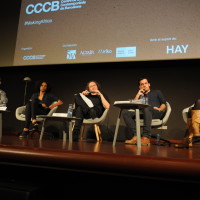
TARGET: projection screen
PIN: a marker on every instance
(90, 31)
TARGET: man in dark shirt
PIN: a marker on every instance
(156, 110)
(91, 103)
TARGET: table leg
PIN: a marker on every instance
(117, 127)
(137, 117)
(64, 132)
(64, 136)
(70, 131)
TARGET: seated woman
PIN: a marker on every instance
(39, 104)
(192, 126)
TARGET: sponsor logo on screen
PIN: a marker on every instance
(71, 55)
(52, 6)
(34, 57)
(87, 52)
(104, 51)
(125, 52)
(177, 49)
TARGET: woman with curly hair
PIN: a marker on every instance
(40, 103)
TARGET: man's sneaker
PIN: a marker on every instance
(145, 141)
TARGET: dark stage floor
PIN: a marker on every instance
(88, 161)
(164, 150)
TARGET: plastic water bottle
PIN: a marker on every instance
(158, 138)
(144, 99)
(70, 111)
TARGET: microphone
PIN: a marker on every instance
(90, 92)
(145, 91)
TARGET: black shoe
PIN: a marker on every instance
(75, 137)
(24, 134)
(35, 126)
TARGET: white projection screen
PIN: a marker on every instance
(90, 31)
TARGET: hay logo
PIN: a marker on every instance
(46, 7)
(177, 49)
(71, 55)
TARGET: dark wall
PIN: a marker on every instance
(118, 80)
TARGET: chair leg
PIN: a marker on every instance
(99, 131)
(82, 132)
(97, 147)
(96, 131)
(42, 131)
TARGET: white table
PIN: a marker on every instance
(1, 124)
(136, 107)
(62, 119)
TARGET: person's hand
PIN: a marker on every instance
(97, 92)
(51, 106)
(156, 108)
(45, 106)
(85, 92)
(140, 92)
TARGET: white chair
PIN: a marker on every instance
(20, 113)
(96, 123)
(185, 113)
(159, 123)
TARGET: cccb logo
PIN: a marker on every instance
(39, 7)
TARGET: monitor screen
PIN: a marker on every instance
(90, 31)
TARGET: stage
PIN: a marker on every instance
(90, 165)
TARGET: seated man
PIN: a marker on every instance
(91, 103)
(3, 97)
(156, 110)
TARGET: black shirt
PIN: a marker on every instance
(47, 99)
(96, 100)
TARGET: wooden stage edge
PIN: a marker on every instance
(100, 163)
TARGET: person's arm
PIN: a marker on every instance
(104, 101)
(58, 103)
(162, 100)
(161, 108)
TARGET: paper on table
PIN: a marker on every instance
(60, 114)
(139, 101)
(3, 108)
